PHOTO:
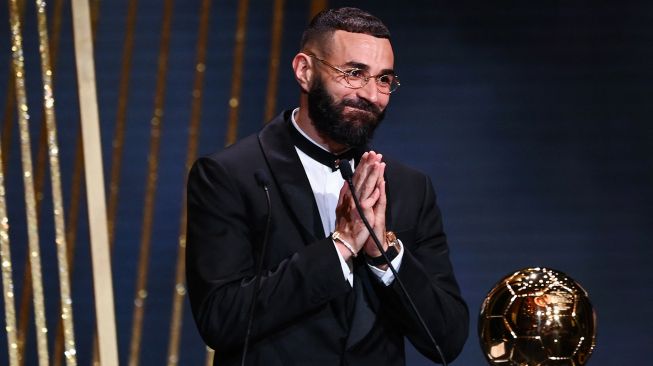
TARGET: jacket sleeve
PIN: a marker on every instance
(221, 249)
(427, 274)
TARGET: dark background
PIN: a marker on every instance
(533, 118)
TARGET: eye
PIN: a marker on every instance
(355, 73)
(385, 80)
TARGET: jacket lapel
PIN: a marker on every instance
(364, 316)
(289, 174)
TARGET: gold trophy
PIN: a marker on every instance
(537, 317)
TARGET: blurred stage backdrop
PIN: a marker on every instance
(533, 118)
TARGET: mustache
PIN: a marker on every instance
(362, 104)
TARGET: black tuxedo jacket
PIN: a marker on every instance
(301, 316)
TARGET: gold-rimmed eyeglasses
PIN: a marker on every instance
(357, 78)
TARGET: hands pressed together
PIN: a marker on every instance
(369, 186)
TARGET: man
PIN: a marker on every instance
(326, 297)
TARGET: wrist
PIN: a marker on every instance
(344, 252)
(391, 250)
(344, 246)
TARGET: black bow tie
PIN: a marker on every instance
(320, 155)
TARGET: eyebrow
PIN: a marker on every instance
(365, 67)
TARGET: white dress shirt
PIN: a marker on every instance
(326, 185)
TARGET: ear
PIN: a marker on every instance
(303, 69)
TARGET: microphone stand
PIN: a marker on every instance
(347, 175)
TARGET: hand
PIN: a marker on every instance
(378, 225)
(377, 220)
(366, 185)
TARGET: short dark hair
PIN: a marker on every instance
(348, 19)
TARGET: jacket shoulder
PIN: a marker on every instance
(249, 150)
(243, 150)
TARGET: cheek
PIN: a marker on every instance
(341, 92)
(383, 101)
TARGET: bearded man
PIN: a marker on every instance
(325, 296)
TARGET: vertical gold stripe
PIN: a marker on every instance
(121, 115)
(237, 75)
(24, 311)
(30, 199)
(39, 180)
(71, 229)
(55, 173)
(193, 137)
(275, 55)
(316, 7)
(57, 9)
(7, 275)
(8, 115)
(8, 120)
(6, 142)
(150, 188)
(26, 293)
(75, 192)
(95, 16)
(102, 281)
(234, 100)
(41, 164)
(180, 289)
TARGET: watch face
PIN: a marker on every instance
(390, 238)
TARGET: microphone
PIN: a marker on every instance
(347, 175)
(345, 170)
(263, 181)
(262, 178)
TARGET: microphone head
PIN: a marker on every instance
(262, 178)
(345, 169)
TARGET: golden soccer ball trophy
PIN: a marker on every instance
(537, 317)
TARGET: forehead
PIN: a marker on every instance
(361, 48)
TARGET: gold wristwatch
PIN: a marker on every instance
(391, 252)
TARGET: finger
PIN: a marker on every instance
(374, 174)
(381, 176)
(381, 204)
(361, 173)
(368, 174)
(381, 172)
(375, 157)
(369, 184)
(371, 200)
(374, 180)
(379, 212)
(364, 168)
(343, 191)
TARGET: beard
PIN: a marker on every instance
(354, 128)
